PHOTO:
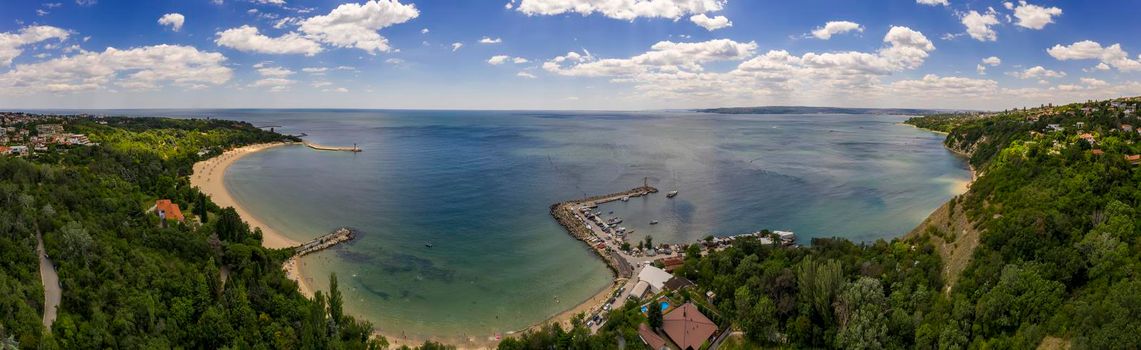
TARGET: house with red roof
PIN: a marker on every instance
(167, 210)
(687, 327)
(1134, 159)
(652, 340)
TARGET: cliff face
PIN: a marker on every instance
(948, 228)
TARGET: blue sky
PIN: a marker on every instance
(564, 54)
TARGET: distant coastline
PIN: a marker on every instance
(818, 110)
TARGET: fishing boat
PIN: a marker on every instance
(671, 194)
(653, 222)
(428, 244)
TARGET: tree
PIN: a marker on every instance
(230, 226)
(817, 283)
(654, 315)
(861, 313)
(336, 301)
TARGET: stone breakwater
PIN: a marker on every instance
(564, 214)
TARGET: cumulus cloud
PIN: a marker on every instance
(525, 75)
(933, 2)
(1037, 72)
(989, 61)
(489, 40)
(357, 25)
(681, 70)
(501, 59)
(620, 9)
(711, 23)
(836, 27)
(12, 43)
(173, 20)
(1033, 16)
(953, 86)
(148, 67)
(248, 39)
(1113, 55)
(456, 46)
(978, 25)
(274, 78)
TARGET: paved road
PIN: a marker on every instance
(50, 280)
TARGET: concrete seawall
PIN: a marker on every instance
(564, 214)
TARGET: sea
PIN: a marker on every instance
(457, 241)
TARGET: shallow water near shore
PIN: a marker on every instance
(478, 185)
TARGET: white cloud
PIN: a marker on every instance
(1091, 50)
(525, 75)
(274, 78)
(148, 67)
(356, 25)
(1034, 16)
(621, 9)
(992, 61)
(11, 44)
(978, 25)
(933, 2)
(174, 20)
(1037, 72)
(247, 38)
(501, 59)
(489, 40)
(944, 86)
(424, 31)
(457, 46)
(711, 24)
(315, 70)
(683, 70)
(836, 27)
(394, 61)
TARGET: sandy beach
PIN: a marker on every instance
(209, 176)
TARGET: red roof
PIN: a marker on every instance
(165, 208)
(651, 339)
(1097, 152)
(688, 327)
(1133, 158)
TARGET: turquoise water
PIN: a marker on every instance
(477, 185)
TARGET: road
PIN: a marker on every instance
(50, 279)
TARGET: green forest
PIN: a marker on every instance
(1055, 265)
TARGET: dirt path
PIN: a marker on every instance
(50, 280)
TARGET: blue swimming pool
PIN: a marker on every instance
(665, 305)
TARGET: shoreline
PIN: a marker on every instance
(209, 176)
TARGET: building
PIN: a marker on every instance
(652, 340)
(655, 277)
(49, 129)
(1097, 152)
(672, 263)
(687, 327)
(1134, 159)
(678, 283)
(20, 150)
(1088, 137)
(168, 211)
(639, 290)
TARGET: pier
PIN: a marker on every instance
(565, 214)
(326, 241)
(353, 149)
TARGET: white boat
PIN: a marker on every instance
(671, 194)
(626, 199)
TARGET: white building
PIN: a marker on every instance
(655, 277)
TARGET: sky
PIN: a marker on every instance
(565, 54)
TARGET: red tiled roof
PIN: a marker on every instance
(1097, 152)
(651, 339)
(1133, 158)
(171, 210)
(688, 327)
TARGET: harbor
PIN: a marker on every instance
(606, 236)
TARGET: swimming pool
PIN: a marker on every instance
(665, 306)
